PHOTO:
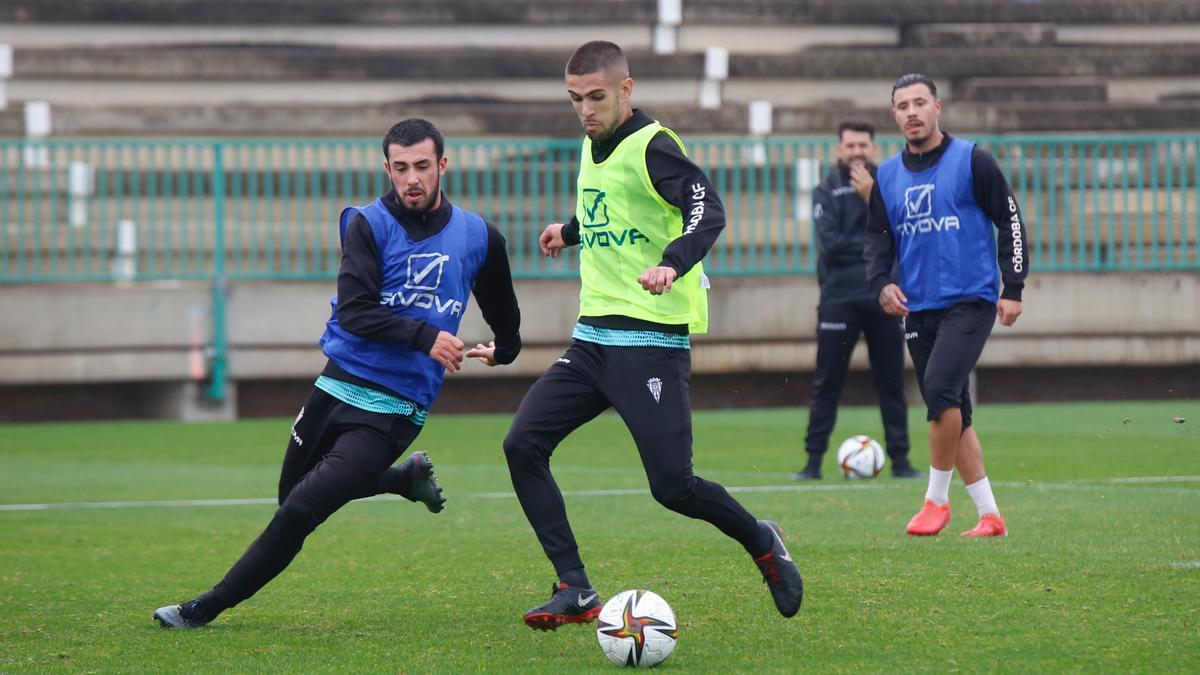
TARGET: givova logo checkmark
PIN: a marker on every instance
(918, 200)
(422, 268)
(595, 211)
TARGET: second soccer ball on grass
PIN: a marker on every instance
(860, 457)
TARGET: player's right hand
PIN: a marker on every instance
(448, 351)
(892, 299)
(657, 280)
(861, 180)
(551, 241)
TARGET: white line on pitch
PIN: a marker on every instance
(745, 488)
(1186, 564)
(848, 486)
(166, 503)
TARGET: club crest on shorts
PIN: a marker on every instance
(655, 386)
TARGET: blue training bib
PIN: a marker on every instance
(429, 280)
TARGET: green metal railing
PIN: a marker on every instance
(97, 210)
(228, 210)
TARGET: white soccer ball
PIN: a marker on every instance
(860, 457)
(637, 629)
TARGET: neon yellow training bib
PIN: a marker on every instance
(624, 225)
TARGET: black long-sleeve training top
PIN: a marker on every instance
(994, 196)
(839, 224)
(682, 184)
(359, 277)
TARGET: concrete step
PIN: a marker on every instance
(1123, 34)
(363, 12)
(322, 62)
(979, 35)
(953, 62)
(989, 89)
(1072, 117)
(940, 11)
(562, 38)
(645, 12)
(475, 118)
(737, 37)
(12, 119)
(268, 62)
(648, 92)
(969, 117)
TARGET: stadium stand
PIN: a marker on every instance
(131, 196)
(304, 67)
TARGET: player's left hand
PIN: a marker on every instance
(485, 353)
(658, 280)
(1008, 311)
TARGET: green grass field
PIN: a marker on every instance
(1098, 574)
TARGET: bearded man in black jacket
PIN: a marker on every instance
(848, 307)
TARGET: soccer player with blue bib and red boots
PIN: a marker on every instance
(645, 217)
(936, 208)
(410, 261)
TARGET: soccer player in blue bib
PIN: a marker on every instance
(410, 260)
(936, 207)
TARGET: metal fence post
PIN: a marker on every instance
(217, 389)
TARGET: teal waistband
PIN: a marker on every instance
(372, 400)
(614, 337)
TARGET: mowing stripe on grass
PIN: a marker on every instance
(1156, 479)
(911, 485)
(135, 505)
(1108, 486)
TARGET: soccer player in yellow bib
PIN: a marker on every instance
(645, 217)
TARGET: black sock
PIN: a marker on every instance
(576, 577)
(814, 462)
(398, 482)
(206, 607)
(766, 542)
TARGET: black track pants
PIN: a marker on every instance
(648, 387)
(336, 453)
(838, 328)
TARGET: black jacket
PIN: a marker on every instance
(839, 224)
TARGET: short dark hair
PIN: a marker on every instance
(910, 79)
(596, 56)
(412, 131)
(856, 124)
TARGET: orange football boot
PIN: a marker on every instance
(930, 520)
(990, 525)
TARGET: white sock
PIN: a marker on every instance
(981, 493)
(939, 486)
